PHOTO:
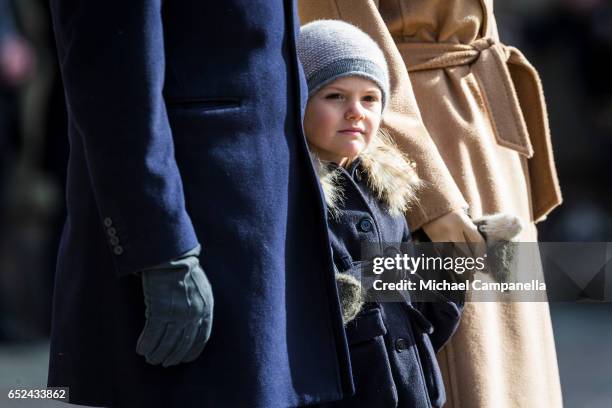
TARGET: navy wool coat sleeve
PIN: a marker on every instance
(113, 63)
(185, 127)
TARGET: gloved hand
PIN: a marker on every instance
(501, 232)
(457, 227)
(349, 292)
(179, 311)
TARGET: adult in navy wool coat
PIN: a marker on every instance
(184, 126)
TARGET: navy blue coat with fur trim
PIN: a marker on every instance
(184, 122)
(392, 344)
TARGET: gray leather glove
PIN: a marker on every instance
(179, 311)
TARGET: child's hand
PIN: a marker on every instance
(349, 291)
(457, 227)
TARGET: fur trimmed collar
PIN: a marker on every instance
(390, 176)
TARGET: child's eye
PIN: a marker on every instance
(333, 96)
(370, 98)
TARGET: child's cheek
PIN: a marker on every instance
(328, 121)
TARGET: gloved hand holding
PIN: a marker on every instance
(501, 231)
(179, 311)
(457, 227)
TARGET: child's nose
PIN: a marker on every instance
(354, 111)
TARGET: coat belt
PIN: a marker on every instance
(512, 92)
(495, 66)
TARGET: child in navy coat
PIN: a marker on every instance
(368, 184)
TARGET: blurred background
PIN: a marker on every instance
(568, 41)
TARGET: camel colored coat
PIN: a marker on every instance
(470, 112)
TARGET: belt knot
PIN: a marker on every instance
(489, 61)
(483, 44)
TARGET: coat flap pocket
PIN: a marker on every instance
(201, 104)
(366, 326)
(444, 317)
(421, 322)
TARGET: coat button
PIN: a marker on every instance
(118, 250)
(365, 225)
(111, 232)
(401, 344)
(107, 222)
(114, 241)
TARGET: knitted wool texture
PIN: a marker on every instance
(332, 49)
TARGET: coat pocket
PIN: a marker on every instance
(197, 105)
(374, 385)
(444, 317)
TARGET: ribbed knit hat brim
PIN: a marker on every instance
(333, 49)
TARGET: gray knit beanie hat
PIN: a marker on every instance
(332, 49)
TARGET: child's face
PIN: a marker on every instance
(342, 118)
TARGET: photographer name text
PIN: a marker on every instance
(477, 284)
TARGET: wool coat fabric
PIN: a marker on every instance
(392, 344)
(469, 111)
(184, 125)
